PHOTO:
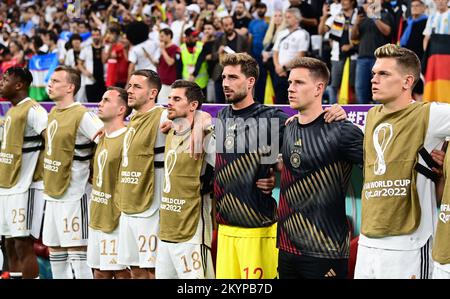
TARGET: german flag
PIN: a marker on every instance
(436, 69)
(269, 94)
(345, 91)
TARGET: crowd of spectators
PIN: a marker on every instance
(108, 40)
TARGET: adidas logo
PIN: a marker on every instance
(298, 142)
(330, 273)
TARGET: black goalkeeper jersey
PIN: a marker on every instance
(318, 159)
(248, 143)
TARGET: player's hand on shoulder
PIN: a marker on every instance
(99, 134)
(334, 113)
(165, 126)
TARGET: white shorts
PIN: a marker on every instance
(38, 212)
(102, 250)
(16, 214)
(439, 273)
(66, 223)
(376, 263)
(138, 240)
(183, 260)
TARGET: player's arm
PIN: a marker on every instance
(201, 127)
(38, 118)
(334, 113)
(440, 184)
(210, 160)
(351, 140)
(266, 185)
(439, 157)
(325, 20)
(90, 125)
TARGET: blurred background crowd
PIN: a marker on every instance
(107, 40)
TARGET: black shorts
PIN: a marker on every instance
(291, 266)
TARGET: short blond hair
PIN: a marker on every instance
(406, 59)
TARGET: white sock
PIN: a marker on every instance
(60, 265)
(78, 260)
(15, 275)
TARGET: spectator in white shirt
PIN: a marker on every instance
(181, 23)
(292, 42)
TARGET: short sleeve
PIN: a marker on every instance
(329, 21)
(83, 53)
(210, 149)
(37, 118)
(90, 124)
(303, 46)
(276, 46)
(132, 57)
(439, 120)
(428, 27)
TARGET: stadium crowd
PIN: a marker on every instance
(107, 40)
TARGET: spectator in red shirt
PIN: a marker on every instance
(167, 68)
(117, 59)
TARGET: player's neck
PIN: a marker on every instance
(247, 101)
(65, 102)
(398, 104)
(18, 98)
(309, 114)
(184, 124)
(147, 106)
(114, 125)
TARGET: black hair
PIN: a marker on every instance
(53, 36)
(193, 91)
(75, 36)
(123, 96)
(22, 74)
(167, 31)
(152, 78)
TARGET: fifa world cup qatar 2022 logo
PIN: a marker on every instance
(51, 131)
(383, 131)
(73, 9)
(169, 164)
(101, 161)
(6, 126)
